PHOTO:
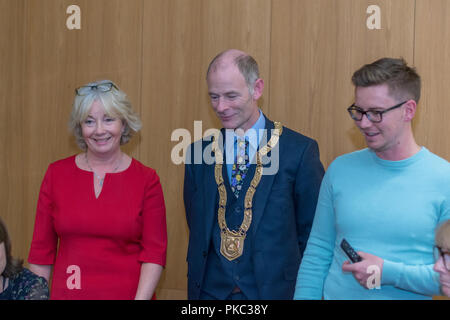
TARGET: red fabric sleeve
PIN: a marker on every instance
(45, 240)
(154, 232)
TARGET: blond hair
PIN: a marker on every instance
(442, 238)
(116, 104)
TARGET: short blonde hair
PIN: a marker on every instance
(442, 238)
(116, 104)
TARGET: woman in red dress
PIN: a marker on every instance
(100, 220)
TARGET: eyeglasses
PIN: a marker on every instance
(438, 253)
(102, 87)
(373, 115)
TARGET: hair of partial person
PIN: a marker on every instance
(246, 64)
(403, 81)
(116, 104)
(13, 265)
(442, 238)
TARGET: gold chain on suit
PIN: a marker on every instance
(232, 241)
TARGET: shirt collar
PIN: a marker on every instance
(253, 135)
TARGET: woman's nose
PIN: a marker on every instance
(99, 128)
(439, 265)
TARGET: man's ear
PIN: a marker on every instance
(410, 110)
(258, 89)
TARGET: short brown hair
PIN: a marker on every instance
(442, 238)
(13, 266)
(403, 81)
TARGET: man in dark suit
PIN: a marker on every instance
(249, 215)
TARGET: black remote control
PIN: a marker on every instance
(351, 253)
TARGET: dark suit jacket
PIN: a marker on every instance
(283, 210)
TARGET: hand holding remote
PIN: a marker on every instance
(361, 269)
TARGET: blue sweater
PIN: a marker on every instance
(386, 208)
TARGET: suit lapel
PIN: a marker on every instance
(209, 188)
(264, 187)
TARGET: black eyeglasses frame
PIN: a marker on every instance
(441, 254)
(95, 87)
(367, 113)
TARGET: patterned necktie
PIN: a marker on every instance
(240, 167)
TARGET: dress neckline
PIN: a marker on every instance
(132, 163)
(108, 174)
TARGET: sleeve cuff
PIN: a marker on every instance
(391, 272)
(161, 260)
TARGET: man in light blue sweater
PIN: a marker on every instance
(386, 200)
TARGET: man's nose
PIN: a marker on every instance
(221, 105)
(364, 122)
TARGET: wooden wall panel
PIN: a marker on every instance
(432, 60)
(51, 62)
(316, 46)
(108, 46)
(158, 52)
(12, 91)
(180, 38)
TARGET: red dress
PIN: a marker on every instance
(104, 240)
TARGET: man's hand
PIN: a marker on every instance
(360, 269)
